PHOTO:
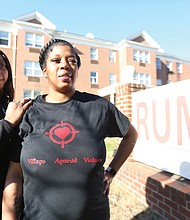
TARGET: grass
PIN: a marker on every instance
(111, 145)
(123, 204)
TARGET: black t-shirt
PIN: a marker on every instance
(62, 157)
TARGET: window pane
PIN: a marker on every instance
(158, 63)
(112, 78)
(147, 57)
(32, 69)
(28, 72)
(142, 78)
(35, 40)
(159, 82)
(31, 93)
(93, 78)
(29, 39)
(37, 73)
(112, 56)
(4, 38)
(38, 40)
(93, 54)
(135, 76)
(179, 67)
(141, 56)
(27, 94)
(135, 55)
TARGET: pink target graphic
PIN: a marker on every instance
(62, 133)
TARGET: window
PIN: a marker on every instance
(141, 56)
(112, 78)
(142, 78)
(94, 78)
(31, 94)
(147, 57)
(158, 64)
(4, 38)
(179, 68)
(93, 54)
(169, 66)
(135, 55)
(159, 82)
(34, 40)
(32, 69)
(112, 56)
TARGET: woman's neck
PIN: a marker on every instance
(54, 97)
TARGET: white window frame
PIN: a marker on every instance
(93, 53)
(33, 41)
(3, 38)
(112, 78)
(158, 64)
(93, 79)
(112, 56)
(32, 93)
(179, 67)
(142, 78)
(33, 68)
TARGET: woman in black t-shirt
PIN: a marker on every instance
(13, 115)
(58, 167)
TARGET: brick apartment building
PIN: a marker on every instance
(105, 64)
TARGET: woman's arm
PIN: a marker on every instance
(12, 195)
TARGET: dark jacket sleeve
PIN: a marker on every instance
(6, 131)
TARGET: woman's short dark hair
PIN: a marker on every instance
(8, 90)
(49, 47)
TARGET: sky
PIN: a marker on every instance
(166, 21)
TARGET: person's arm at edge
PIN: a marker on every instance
(15, 111)
(12, 194)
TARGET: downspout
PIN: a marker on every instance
(15, 32)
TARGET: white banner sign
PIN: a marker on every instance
(161, 116)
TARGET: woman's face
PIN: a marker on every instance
(3, 73)
(61, 69)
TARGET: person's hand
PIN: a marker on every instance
(15, 111)
(107, 181)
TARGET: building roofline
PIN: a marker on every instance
(173, 58)
(146, 36)
(35, 15)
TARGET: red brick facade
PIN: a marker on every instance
(167, 194)
(144, 62)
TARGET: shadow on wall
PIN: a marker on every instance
(148, 214)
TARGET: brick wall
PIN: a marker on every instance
(166, 193)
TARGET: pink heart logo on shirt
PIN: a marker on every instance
(62, 133)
